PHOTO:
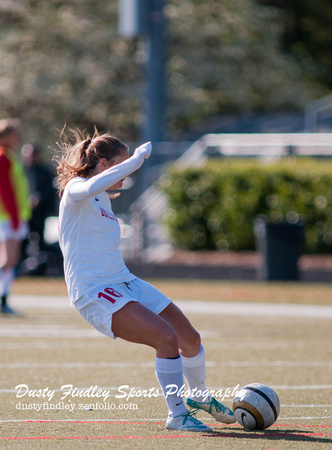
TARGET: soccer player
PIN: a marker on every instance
(106, 293)
(14, 207)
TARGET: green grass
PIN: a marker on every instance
(49, 348)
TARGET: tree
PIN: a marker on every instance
(225, 56)
(306, 35)
(64, 62)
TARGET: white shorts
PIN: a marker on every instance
(6, 231)
(98, 306)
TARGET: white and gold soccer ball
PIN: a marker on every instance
(256, 406)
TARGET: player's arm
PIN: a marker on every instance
(99, 183)
(7, 193)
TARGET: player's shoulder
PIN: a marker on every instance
(67, 198)
(67, 188)
(77, 180)
(74, 181)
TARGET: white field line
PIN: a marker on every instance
(122, 365)
(277, 363)
(114, 389)
(143, 419)
(304, 418)
(92, 421)
(305, 406)
(294, 387)
(47, 331)
(93, 344)
(70, 365)
(197, 307)
(257, 309)
(303, 387)
(39, 302)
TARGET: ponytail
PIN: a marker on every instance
(80, 155)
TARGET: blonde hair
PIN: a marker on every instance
(81, 153)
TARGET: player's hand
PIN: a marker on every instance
(144, 150)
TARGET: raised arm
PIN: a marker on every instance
(99, 183)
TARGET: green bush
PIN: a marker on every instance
(213, 208)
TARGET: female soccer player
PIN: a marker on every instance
(15, 210)
(106, 293)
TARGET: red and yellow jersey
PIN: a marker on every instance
(14, 190)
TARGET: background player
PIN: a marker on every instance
(14, 206)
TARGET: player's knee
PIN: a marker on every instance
(191, 343)
(9, 261)
(5, 264)
(195, 340)
(8, 265)
(168, 339)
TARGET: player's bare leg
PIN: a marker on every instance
(193, 360)
(10, 253)
(188, 338)
(135, 323)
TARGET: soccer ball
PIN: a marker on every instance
(256, 406)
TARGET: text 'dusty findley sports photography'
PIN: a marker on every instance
(64, 396)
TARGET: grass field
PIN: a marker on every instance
(234, 291)
(285, 344)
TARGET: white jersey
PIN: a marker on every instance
(89, 232)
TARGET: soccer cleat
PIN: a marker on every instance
(186, 422)
(217, 410)
(5, 309)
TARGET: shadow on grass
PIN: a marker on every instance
(274, 435)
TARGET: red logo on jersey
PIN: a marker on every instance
(108, 214)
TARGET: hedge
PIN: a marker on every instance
(214, 207)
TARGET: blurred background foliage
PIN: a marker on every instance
(64, 62)
(214, 207)
(306, 36)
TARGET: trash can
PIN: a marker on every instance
(280, 244)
